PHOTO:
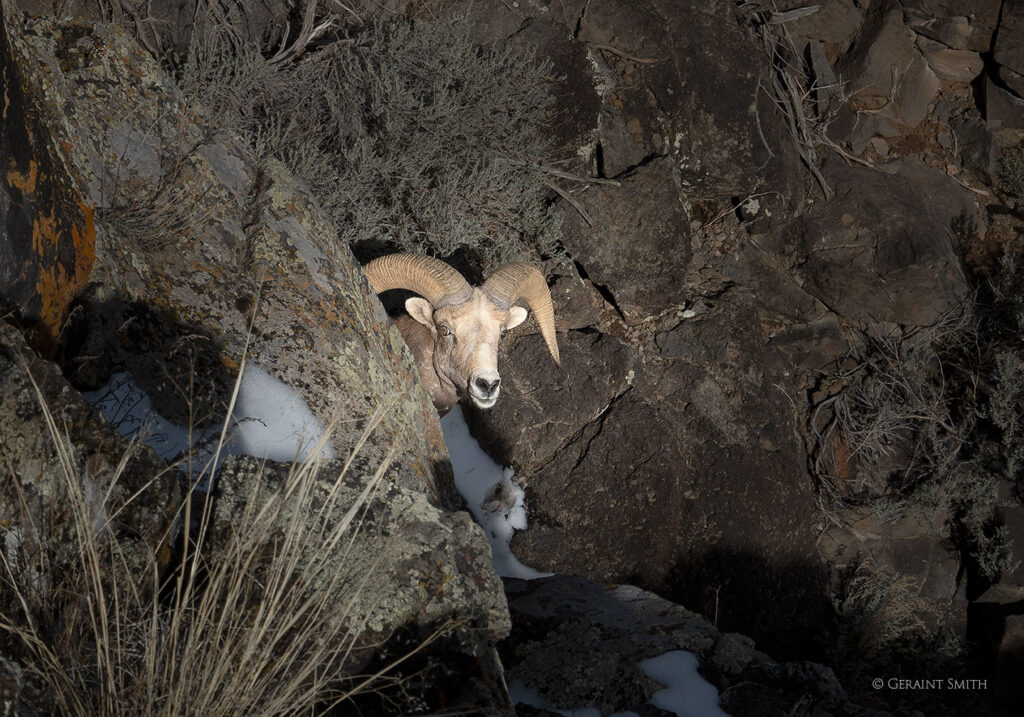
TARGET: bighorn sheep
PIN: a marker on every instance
(453, 331)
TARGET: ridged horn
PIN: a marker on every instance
(512, 282)
(431, 278)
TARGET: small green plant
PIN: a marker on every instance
(409, 135)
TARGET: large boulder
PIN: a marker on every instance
(402, 565)
(54, 445)
(958, 24)
(887, 74)
(883, 249)
(122, 203)
(139, 240)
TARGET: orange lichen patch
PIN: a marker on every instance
(55, 285)
(230, 362)
(329, 310)
(841, 453)
(24, 181)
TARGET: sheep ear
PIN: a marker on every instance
(421, 310)
(516, 316)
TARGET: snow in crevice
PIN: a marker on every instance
(270, 421)
(686, 693)
(495, 501)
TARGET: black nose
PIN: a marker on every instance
(487, 387)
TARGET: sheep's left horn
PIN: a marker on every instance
(431, 278)
(512, 282)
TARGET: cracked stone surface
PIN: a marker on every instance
(869, 260)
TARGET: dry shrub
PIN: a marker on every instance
(249, 633)
(903, 430)
(409, 135)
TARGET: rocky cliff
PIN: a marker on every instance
(782, 241)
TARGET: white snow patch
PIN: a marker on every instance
(494, 500)
(129, 408)
(271, 420)
(686, 693)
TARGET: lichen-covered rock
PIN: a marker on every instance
(403, 564)
(124, 204)
(137, 501)
(20, 693)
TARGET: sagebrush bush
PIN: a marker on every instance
(1011, 172)
(408, 134)
(882, 631)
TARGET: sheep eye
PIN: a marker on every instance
(503, 331)
(445, 331)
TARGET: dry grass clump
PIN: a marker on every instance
(409, 135)
(262, 630)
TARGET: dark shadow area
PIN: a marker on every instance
(996, 633)
(177, 365)
(784, 606)
(438, 678)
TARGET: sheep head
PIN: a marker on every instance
(457, 352)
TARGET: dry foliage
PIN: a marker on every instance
(250, 633)
(409, 135)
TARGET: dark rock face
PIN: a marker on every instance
(632, 86)
(668, 454)
(639, 245)
(632, 461)
(672, 104)
(578, 642)
(870, 260)
(1009, 44)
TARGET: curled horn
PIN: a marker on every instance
(512, 282)
(431, 278)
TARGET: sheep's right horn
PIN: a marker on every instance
(431, 278)
(512, 282)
